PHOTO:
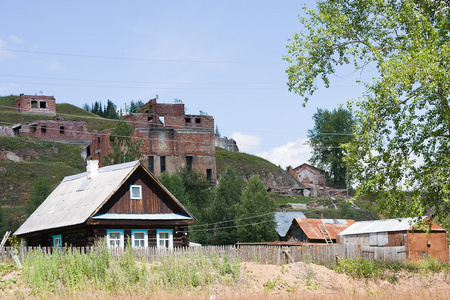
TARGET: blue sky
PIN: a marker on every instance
(220, 57)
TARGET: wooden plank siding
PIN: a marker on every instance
(154, 199)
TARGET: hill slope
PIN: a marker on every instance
(248, 165)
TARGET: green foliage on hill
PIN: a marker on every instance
(68, 111)
(245, 164)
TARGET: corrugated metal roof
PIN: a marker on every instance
(284, 220)
(76, 198)
(386, 225)
(333, 226)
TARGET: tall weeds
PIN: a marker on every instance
(73, 273)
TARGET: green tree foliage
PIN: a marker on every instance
(124, 147)
(38, 193)
(331, 130)
(255, 201)
(110, 111)
(192, 189)
(400, 151)
(134, 106)
(224, 207)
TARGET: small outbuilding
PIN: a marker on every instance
(316, 230)
(284, 220)
(122, 203)
(369, 235)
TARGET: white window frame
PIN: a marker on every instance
(159, 239)
(133, 238)
(139, 197)
(55, 239)
(121, 238)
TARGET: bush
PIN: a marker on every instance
(358, 268)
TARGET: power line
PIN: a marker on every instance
(138, 59)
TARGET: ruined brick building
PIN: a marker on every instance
(170, 138)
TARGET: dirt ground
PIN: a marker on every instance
(292, 281)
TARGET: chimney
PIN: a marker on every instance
(92, 168)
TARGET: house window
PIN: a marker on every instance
(164, 238)
(34, 104)
(62, 129)
(198, 120)
(42, 104)
(209, 174)
(136, 192)
(163, 163)
(57, 241)
(114, 238)
(151, 164)
(139, 238)
(187, 120)
(43, 129)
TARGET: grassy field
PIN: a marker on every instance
(100, 275)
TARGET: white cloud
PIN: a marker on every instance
(14, 39)
(293, 154)
(246, 143)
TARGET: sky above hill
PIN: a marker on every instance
(220, 57)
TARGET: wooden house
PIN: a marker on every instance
(400, 233)
(124, 203)
(316, 230)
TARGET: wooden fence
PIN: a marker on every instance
(263, 254)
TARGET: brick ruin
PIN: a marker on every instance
(170, 138)
(40, 105)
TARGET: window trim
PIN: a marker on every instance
(120, 231)
(158, 239)
(55, 238)
(140, 192)
(145, 231)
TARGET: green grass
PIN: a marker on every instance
(75, 274)
(245, 164)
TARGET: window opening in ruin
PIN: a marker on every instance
(161, 119)
(187, 120)
(33, 128)
(98, 141)
(209, 174)
(44, 129)
(42, 104)
(33, 104)
(62, 130)
(149, 119)
(189, 159)
(162, 163)
(151, 164)
(18, 106)
(198, 120)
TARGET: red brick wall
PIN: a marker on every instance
(45, 105)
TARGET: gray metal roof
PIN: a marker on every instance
(76, 198)
(386, 225)
(284, 220)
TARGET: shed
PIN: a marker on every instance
(123, 202)
(399, 233)
(284, 220)
(316, 230)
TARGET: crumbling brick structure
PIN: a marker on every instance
(170, 139)
(44, 105)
